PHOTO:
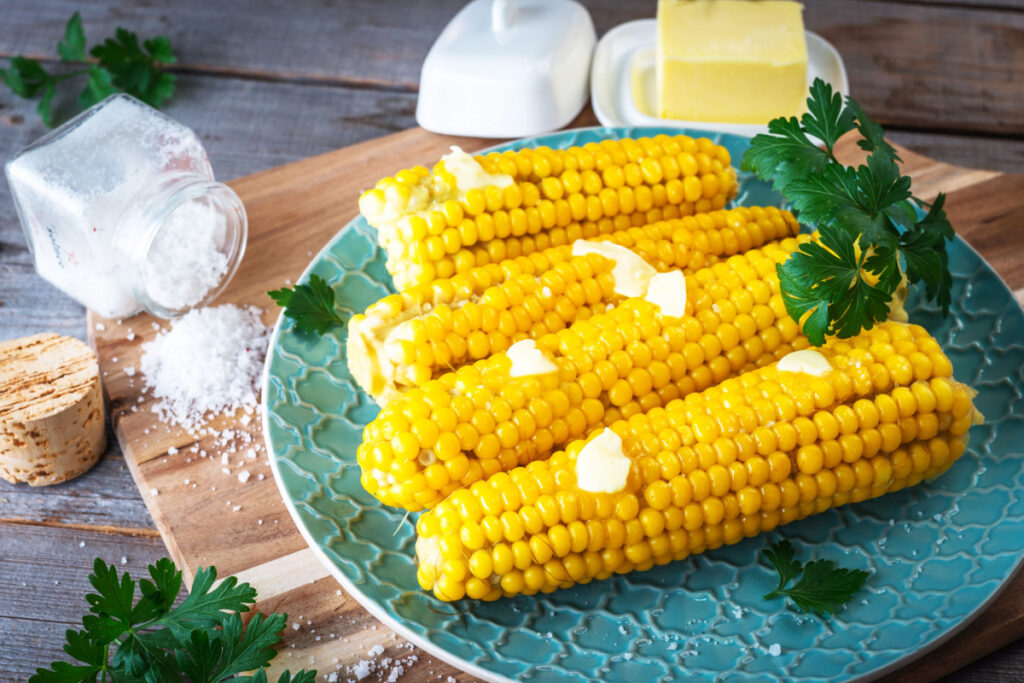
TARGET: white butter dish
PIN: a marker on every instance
(622, 85)
(507, 69)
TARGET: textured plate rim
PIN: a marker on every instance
(429, 646)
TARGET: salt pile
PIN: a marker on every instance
(193, 239)
(207, 362)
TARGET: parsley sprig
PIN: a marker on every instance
(866, 218)
(117, 64)
(202, 640)
(822, 587)
(310, 306)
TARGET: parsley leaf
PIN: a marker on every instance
(72, 48)
(869, 233)
(118, 64)
(822, 587)
(826, 118)
(137, 69)
(202, 639)
(311, 306)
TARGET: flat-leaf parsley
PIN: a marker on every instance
(310, 306)
(118, 64)
(822, 587)
(201, 640)
(844, 281)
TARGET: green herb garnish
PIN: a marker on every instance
(843, 282)
(310, 306)
(201, 640)
(118, 64)
(822, 588)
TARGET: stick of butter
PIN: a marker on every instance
(733, 61)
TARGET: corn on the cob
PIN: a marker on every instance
(753, 452)
(408, 338)
(477, 420)
(472, 211)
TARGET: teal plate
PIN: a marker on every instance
(938, 553)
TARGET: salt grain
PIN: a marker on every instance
(208, 362)
(775, 649)
(100, 327)
(243, 476)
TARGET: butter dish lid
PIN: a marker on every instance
(508, 68)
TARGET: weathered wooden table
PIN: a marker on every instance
(267, 83)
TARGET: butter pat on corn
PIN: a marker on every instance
(733, 61)
(469, 174)
(602, 466)
(528, 360)
(632, 274)
(807, 361)
(667, 291)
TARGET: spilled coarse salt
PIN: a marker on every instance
(207, 363)
(243, 476)
(362, 669)
(775, 649)
(129, 370)
(375, 650)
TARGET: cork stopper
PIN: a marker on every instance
(51, 409)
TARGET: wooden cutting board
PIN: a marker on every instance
(207, 516)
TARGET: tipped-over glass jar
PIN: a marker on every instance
(121, 212)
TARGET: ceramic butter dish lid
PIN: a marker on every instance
(507, 68)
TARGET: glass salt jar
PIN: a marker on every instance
(121, 212)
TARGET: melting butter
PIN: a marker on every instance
(667, 291)
(528, 360)
(631, 273)
(807, 361)
(602, 465)
(469, 174)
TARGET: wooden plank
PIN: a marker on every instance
(920, 65)
(948, 68)
(967, 151)
(103, 499)
(44, 578)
